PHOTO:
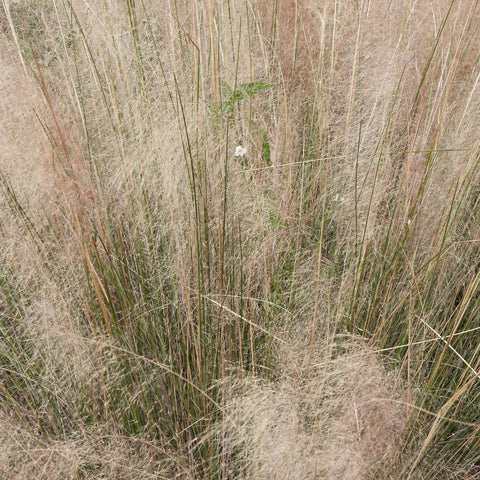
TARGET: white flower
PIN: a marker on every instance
(409, 221)
(339, 198)
(240, 151)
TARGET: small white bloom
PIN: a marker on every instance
(339, 198)
(240, 151)
(409, 221)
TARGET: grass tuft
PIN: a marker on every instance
(239, 239)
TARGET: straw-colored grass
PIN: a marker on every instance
(307, 310)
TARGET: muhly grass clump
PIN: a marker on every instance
(343, 420)
(239, 239)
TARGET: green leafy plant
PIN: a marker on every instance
(242, 91)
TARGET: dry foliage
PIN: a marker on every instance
(342, 420)
(170, 310)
